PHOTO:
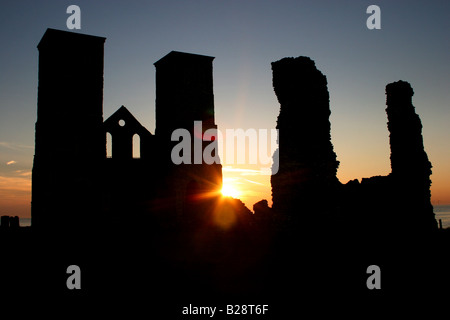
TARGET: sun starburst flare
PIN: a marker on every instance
(230, 191)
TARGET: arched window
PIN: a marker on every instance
(108, 145)
(136, 146)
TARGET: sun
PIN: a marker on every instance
(230, 191)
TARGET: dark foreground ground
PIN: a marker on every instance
(154, 274)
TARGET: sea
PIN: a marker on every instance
(25, 222)
(442, 212)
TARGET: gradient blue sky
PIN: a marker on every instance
(245, 37)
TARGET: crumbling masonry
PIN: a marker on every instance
(306, 189)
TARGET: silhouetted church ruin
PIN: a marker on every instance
(74, 183)
(142, 228)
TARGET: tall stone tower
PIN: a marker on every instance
(184, 95)
(410, 166)
(70, 142)
(184, 92)
(305, 186)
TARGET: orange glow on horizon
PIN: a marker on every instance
(240, 183)
(15, 195)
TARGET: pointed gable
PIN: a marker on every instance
(122, 120)
(123, 126)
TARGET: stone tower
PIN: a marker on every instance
(184, 92)
(70, 142)
(184, 95)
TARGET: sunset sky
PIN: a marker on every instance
(244, 36)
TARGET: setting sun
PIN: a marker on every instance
(230, 191)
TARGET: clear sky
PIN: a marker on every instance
(245, 36)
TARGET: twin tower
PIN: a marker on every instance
(74, 183)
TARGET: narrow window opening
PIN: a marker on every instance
(136, 146)
(108, 145)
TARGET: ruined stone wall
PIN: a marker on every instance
(306, 180)
(410, 166)
(305, 189)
